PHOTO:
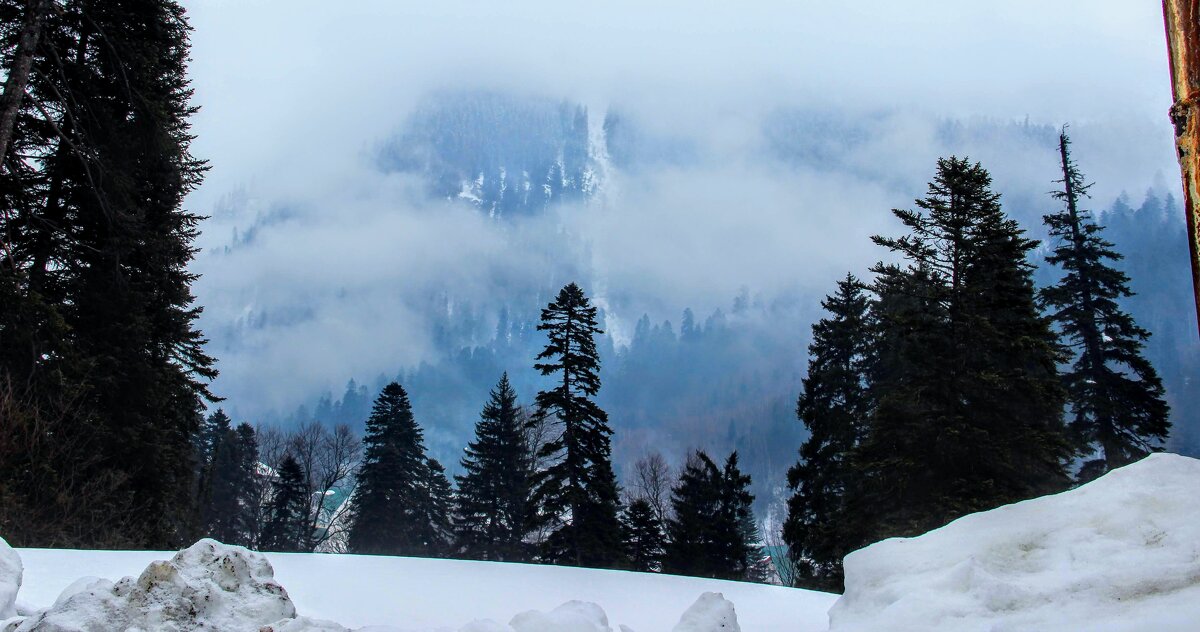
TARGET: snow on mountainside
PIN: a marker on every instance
(1120, 553)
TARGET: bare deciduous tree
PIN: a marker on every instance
(329, 459)
(652, 481)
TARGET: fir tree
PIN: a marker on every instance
(100, 247)
(1115, 396)
(712, 532)
(247, 486)
(435, 510)
(392, 501)
(577, 493)
(642, 536)
(967, 404)
(287, 528)
(222, 494)
(493, 508)
(833, 407)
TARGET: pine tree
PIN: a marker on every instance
(712, 532)
(833, 407)
(287, 528)
(1115, 396)
(642, 536)
(967, 406)
(577, 493)
(221, 494)
(739, 530)
(247, 486)
(392, 501)
(100, 247)
(493, 503)
(436, 509)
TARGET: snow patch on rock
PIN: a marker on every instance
(711, 613)
(573, 616)
(1120, 553)
(206, 587)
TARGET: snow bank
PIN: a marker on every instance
(711, 613)
(208, 586)
(10, 580)
(573, 616)
(211, 586)
(432, 594)
(1120, 553)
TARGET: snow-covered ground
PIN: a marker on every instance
(420, 594)
(1120, 553)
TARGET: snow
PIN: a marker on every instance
(1120, 553)
(207, 587)
(10, 580)
(417, 594)
(711, 613)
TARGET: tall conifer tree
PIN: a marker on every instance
(833, 407)
(712, 531)
(577, 493)
(967, 405)
(493, 509)
(435, 510)
(100, 246)
(1115, 396)
(391, 503)
(642, 536)
(287, 528)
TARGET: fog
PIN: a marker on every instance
(803, 123)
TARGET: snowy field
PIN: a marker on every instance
(1119, 554)
(419, 594)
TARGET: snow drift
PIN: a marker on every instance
(212, 587)
(10, 580)
(1120, 553)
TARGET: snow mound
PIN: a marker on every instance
(10, 580)
(573, 616)
(1120, 553)
(206, 587)
(711, 613)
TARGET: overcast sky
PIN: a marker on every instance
(296, 93)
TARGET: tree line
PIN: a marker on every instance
(537, 483)
(949, 384)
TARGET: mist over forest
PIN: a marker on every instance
(430, 264)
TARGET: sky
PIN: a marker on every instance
(296, 95)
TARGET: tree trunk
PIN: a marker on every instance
(1182, 19)
(18, 75)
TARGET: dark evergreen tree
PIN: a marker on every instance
(712, 532)
(642, 536)
(98, 248)
(1115, 397)
(392, 501)
(247, 486)
(493, 502)
(436, 509)
(833, 407)
(738, 535)
(287, 528)
(967, 405)
(221, 493)
(577, 493)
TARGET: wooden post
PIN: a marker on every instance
(1182, 19)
